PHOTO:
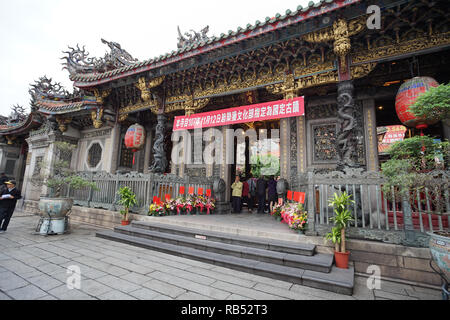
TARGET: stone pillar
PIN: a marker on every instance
(285, 147)
(346, 140)
(115, 148)
(370, 135)
(225, 164)
(159, 164)
(301, 145)
(148, 148)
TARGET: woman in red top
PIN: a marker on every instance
(245, 190)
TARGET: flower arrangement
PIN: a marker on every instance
(189, 203)
(292, 214)
(200, 203)
(276, 212)
(157, 210)
(181, 205)
(210, 205)
(170, 205)
(299, 219)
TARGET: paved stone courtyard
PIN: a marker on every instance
(35, 267)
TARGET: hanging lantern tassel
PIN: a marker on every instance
(134, 154)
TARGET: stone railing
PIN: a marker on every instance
(378, 216)
(145, 186)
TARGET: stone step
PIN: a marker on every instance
(94, 221)
(318, 262)
(305, 249)
(338, 280)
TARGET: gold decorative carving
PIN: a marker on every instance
(238, 82)
(10, 139)
(318, 79)
(62, 123)
(287, 88)
(142, 86)
(155, 82)
(100, 95)
(190, 105)
(150, 104)
(145, 87)
(96, 117)
(362, 70)
(123, 117)
(395, 49)
(340, 34)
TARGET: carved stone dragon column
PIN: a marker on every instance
(346, 140)
(160, 163)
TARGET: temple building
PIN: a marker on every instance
(331, 53)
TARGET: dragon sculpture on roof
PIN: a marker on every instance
(78, 60)
(192, 38)
(16, 116)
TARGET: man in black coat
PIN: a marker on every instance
(3, 179)
(8, 200)
(261, 186)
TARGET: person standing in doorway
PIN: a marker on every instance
(261, 186)
(3, 179)
(251, 192)
(8, 200)
(272, 193)
(236, 195)
(245, 190)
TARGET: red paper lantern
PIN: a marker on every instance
(407, 95)
(135, 138)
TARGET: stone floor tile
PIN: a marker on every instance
(64, 293)
(164, 288)
(11, 281)
(118, 284)
(246, 292)
(144, 294)
(94, 288)
(116, 295)
(45, 282)
(392, 296)
(29, 292)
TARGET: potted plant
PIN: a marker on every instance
(342, 216)
(59, 180)
(128, 200)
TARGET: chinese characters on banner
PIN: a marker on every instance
(256, 112)
(392, 135)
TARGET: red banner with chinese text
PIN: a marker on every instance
(255, 112)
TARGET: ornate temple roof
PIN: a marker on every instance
(88, 72)
(31, 121)
(51, 98)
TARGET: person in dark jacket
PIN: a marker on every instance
(272, 192)
(3, 179)
(261, 186)
(8, 200)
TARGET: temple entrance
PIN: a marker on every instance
(261, 157)
(258, 157)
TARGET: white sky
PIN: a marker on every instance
(33, 33)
